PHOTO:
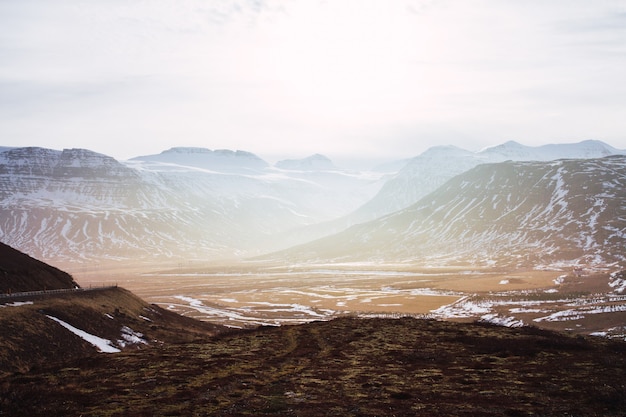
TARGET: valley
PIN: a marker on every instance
(249, 294)
(512, 234)
(220, 285)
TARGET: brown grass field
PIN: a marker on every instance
(248, 294)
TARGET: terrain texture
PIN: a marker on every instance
(345, 367)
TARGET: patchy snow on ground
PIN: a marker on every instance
(131, 337)
(463, 308)
(617, 282)
(577, 314)
(16, 304)
(103, 345)
(501, 321)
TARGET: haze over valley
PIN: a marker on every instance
(224, 236)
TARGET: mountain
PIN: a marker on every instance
(582, 150)
(426, 172)
(186, 203)
(222, 160)
(75, 203)
(431, 169)
(19, 272)
(315, 162)
(505, 214)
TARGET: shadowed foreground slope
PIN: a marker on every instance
(29, 337)
(345, 367)
(19, 272)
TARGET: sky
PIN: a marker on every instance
(363, 79)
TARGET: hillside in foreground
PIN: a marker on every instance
(344, 367)
(33, 335)
(158, 363)
(19, 272)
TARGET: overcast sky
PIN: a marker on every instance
(379, 79)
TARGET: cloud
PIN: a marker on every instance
(296, 75)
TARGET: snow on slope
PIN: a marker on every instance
(103, 345)
(512, 213)
(79, 205)
(428, 171)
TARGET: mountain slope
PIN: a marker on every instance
(185, 203)
(511, 213)
(428, 171)
(19, 272)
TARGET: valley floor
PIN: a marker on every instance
(244, 295)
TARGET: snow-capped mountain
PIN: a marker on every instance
(428, 171)
(184, 203)
(510, 213)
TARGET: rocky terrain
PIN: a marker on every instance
(57, 321)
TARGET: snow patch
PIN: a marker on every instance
(16, 304)
(103, 345)
(131, 337)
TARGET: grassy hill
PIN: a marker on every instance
(345, 367)
(30, 338)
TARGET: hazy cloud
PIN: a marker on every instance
(301, 76)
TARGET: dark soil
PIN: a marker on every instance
(345, 367)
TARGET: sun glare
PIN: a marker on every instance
(344, 61)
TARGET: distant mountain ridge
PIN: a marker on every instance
(506, 214)
(218, 160)
(80, 205)
(431, 169)
(195, 203)
(315, 162)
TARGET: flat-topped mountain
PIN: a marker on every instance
(217, 160)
